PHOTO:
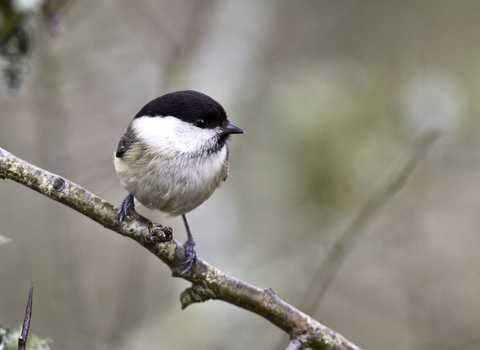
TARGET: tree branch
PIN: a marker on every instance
(207, 281)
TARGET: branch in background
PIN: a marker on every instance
(22, 340)
(207, 281)
(4, 240)
(352, 233)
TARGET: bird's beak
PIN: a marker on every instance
(232, 129)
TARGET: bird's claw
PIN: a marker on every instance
(126, 208)
(190, 259)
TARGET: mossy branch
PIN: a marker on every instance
(207, 281)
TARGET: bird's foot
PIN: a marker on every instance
(127, 207)
(190, 259)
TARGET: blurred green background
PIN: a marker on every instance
(331, 94)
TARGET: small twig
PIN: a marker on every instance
(22, 339)
(377, 200)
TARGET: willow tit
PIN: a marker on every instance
(173, 156)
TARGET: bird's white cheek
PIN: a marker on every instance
(154, 131)
(171, 134)
(191, 139)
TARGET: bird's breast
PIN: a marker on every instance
(172, 182)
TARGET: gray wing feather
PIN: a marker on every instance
(125, 142)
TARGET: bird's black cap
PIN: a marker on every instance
(186, 105)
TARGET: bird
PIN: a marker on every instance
(173, 156)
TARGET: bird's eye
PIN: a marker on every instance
(201, 123)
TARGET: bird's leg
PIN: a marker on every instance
(126, 208)
(190, 259)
